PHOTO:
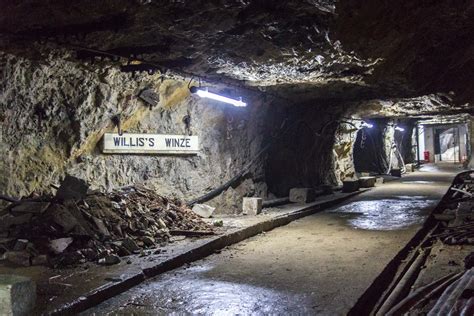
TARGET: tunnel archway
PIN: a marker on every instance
(369, 149)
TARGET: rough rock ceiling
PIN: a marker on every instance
(302, 49)
(427, 45)
(411, 107)
(444, 119)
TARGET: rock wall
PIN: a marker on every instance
(343, 151)
(54, 112)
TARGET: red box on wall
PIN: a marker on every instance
(426, 155)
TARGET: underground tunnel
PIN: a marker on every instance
(308, 157)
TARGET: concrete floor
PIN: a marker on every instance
(320, 264)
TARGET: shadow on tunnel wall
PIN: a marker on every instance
(303, 157)
(405, 141)
(369, 149)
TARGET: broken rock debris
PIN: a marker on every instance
(203, 210)
(459, 213)
(75, 227)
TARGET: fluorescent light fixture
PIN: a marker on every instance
(204, 93)
(401, 129)
(368, 125)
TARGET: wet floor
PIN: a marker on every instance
(385, 214)
(190, 291)
(320, 264)
(316, 265)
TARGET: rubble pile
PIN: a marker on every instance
(75, 226)
(459, 212)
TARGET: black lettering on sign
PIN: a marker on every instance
(171, 142)
(116, 141)
(132, 142)
(177, 142)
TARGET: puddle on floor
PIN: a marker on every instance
(418, 182)
(385, 214)
(190, 291)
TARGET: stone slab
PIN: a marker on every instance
(326, 189)
(17, 258)
(350, 186)
(252, 205)
(72, 188)
(31, 207)
(367, 182)
(203, 210)
(60, 244)
(17, 295)
(409, 167)
(396, 173)
(302, 195)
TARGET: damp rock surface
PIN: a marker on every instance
(297, 49)
(55, 111)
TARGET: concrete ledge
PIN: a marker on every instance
(111, 289)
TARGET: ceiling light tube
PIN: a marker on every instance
(204, 93)
(401, 129)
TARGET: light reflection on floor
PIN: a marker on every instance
(418, 182)
(385, 214)
(190, 291)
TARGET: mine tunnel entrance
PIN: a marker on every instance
(450, 144)
(369, 150)
(385, 145)
(444, 143)
(447, 144)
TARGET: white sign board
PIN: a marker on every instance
(150, 144)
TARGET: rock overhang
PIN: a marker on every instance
(302, 51)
